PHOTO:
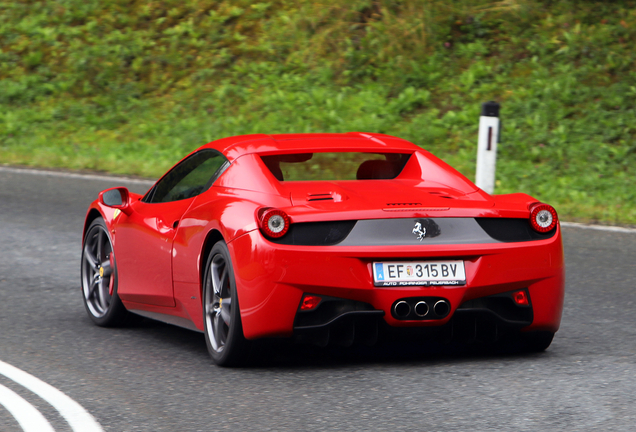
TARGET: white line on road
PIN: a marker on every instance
(64, 174)
(599, 227)
(28, 417)
(76, 416)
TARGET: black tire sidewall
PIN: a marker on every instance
(538, 341)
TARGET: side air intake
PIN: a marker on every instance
(320, 197)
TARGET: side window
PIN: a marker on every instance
(189, 178)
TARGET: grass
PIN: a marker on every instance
(131, 86)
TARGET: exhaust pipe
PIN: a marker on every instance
(421, 309)
(402, 309)
(441, 308)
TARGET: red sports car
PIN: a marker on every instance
(327, 238)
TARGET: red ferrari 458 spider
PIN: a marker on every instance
(327, 238)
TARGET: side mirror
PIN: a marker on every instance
(117, 198)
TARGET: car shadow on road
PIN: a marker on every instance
(272, 354)
(286, 354)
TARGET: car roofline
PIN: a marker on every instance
(234, 147)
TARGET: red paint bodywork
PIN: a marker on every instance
(159, 248)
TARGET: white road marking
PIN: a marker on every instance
(76, 416)
(599, 227)
(28, 417)
(74, 175)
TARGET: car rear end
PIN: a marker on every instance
(417, 246)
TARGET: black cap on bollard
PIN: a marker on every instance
(490, 109)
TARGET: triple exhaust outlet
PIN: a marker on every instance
(420, 308)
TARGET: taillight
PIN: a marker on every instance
(543, 217)
(274, 223)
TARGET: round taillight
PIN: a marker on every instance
(274, 223)
(543, 217)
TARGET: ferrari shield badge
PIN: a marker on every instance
(419, 231)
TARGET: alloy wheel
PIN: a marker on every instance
(98, 278)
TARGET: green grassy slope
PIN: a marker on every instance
(131, 86)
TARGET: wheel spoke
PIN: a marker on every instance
(218, 276)
(215, 278)
(93, 288)
(225, 314)
(222, 280)
(100, 245)
(218, 330)
(208, 309)
(214, 297)
(103, 294)
(90, 258)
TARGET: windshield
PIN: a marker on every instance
(329, 166)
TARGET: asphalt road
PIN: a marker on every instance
(155, 377)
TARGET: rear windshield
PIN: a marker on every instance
(336, 166)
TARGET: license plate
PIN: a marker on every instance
(423, 273)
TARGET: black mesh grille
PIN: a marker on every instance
(502, 306)
(316, 233)
(511, 230)
(328, 310)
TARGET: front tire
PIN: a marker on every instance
(222, 318)
(99, 277)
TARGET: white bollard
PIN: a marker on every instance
(487, 146)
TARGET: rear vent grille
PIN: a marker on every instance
(403, 205)
(419, 209)
(397, 207)
(320, 197)
(442, 195)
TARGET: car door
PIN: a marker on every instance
(144, 239)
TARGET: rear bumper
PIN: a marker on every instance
(272, 278)
(343, 322)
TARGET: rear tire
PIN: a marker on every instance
(221, 314)
(99, 278)
(537, 341)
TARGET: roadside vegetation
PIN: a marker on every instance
(127, 86)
